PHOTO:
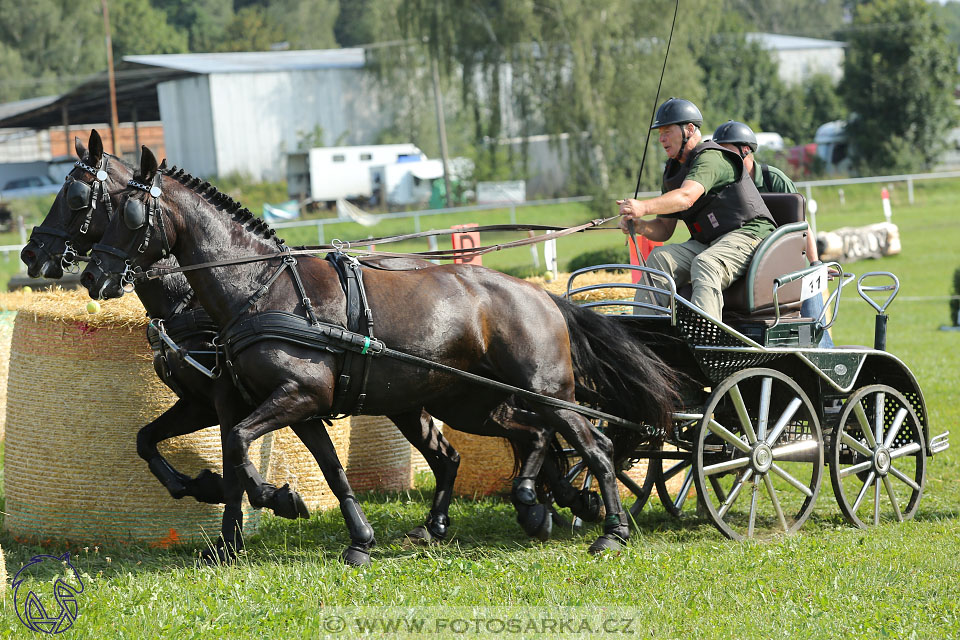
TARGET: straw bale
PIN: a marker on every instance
(379, 456)
(10, 302)
(486, 463)
(558, 286)
(79, 389)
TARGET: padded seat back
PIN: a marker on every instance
(783, 251)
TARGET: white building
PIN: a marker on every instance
(800, 58)
(242, 112)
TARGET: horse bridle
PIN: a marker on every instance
(81, 196)
(135, 218)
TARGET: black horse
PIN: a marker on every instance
(283, 333)
(75, 222)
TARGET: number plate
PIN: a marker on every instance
(814, 284)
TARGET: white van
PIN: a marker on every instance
(328, 174)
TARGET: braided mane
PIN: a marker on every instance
(221, 201)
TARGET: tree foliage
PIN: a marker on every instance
(898, 72)
(587, 69)
(810, 18)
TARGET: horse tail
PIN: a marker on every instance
(619, 374)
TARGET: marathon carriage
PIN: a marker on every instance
(764, 409)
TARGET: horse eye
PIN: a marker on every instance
(78, 196)
(133, 215)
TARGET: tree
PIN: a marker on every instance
(811, 18)
(136, 27)
(204, 21)
(585, 69)
(899, 81)
(59, 42)
(306, 24)
(251, 29)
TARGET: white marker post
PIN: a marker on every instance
(885, 198)
(550, 256)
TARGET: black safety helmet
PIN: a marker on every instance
(677, 111)
(733, 132)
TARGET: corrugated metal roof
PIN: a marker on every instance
(777, 42)
(255, 61)
(20, 106)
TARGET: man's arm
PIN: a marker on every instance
(656, 229)
(670, 202)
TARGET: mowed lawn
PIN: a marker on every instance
(677, 578)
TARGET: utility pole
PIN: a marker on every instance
(442, 128)
(113, 86)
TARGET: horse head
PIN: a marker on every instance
(79, 213)
(136, 238)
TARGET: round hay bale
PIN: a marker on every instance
(486, 463)
(80, 387)
(378, 457)
(9, 304)
(292, 462)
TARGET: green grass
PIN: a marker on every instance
(679, 578)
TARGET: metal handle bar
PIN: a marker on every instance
(862, 289)
(797, 275)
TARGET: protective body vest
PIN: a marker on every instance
(714, 214)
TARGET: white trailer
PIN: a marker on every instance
(327, 174)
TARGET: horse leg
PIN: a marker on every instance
(597, 451)
(314, 434)
(533, 444)
(185, 416)
(443, 459)
(583, 503)
(288, 404)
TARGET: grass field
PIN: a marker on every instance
(677, 578)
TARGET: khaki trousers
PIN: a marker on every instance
(709, 268)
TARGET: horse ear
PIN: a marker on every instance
(79, 148)
(148, 164)
(96, 148)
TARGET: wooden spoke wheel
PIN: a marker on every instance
(639, 489)
(758, 455)
(877, 458)
(674, 481)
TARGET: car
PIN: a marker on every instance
(29, 186)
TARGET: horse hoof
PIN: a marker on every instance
(421, 536)
(218, 555)
(207, 488)
(355, 557)
(288, 504)
(536, 522)
(606, 542)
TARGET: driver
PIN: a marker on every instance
(706, 186)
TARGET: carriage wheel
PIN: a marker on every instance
(878, 458)
(674, 482)
(758, 455)
(580, 476)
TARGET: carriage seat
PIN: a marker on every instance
(782, 252)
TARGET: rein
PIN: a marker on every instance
(558, 232)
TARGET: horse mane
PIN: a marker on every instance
(221, 201)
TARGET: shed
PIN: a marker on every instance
(241, 113)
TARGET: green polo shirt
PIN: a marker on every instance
(779, 182)
(713, 170)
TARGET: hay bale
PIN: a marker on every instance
(9, 304)
(290, 461)
(80, 387)
(379, 456)
(486, 463)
